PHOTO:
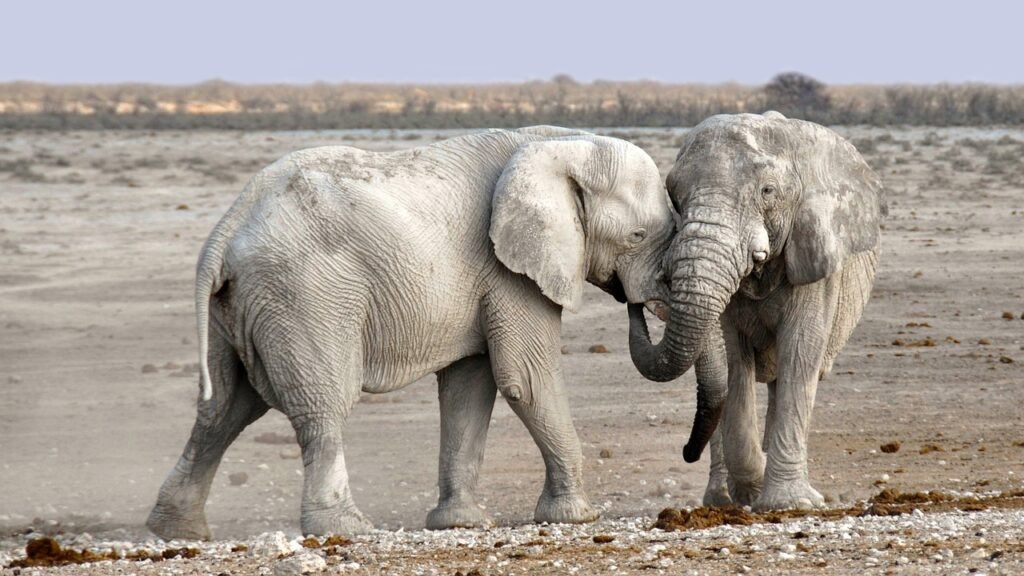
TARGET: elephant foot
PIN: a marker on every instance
(170, 524)
(566, 509)
(744, 492)
(716, 495)
(457, 515)
(348, 521)
(798, 494)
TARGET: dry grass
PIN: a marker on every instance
(219, 104)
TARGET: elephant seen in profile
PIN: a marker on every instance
(339, 270)
(770, 271)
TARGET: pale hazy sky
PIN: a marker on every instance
(186, 41)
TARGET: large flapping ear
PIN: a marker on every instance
(840, 207)
(537, 217)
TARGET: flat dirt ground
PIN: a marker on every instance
(99, 233)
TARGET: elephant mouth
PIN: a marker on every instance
(614, 287)
(658, 308)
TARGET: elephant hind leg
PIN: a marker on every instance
(317, 378)
(179, 510)
(466, 391)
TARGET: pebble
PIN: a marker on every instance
(270, 544)
(301, 563)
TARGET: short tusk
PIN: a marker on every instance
(760, 256)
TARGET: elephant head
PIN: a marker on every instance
(756, 195)
(583, 207)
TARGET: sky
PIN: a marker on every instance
(484, 41)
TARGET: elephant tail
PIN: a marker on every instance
(211, 275)
(209, 279)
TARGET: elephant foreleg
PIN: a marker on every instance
(466, 391)
(178, 512)
(744, 459)
(528, 373)
(717, 492)
(801, 347)
(769, 418)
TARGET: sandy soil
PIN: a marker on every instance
(98, 238)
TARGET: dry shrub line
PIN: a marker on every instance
(222, 105)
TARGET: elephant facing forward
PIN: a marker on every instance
(770, 270)
(339, 270)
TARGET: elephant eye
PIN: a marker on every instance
(767, 190)
(638, 235)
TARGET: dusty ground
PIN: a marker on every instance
(98, 238)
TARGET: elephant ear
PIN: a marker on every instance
(840, 208)
(537, 217)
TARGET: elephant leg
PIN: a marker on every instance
(563, 499)
(801, 350)
(179, 510)
(466, 391)
(717, 492)
(527, 366)
(317, 379)
(741, 447)
(769, 418)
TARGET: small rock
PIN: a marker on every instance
(603, 538)
(301, 563)
(605, 453)
(1008, 315)
(271, 544)
(238, 478)
(1006, 360)
(598, 349)
(181, 207)
(984, 341)
(149, 369)
(565, 350)
(979, 554)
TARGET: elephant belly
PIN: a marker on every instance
(395, 356)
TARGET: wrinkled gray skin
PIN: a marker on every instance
(339, 270)
(770, 270)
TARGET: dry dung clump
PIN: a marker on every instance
(48, 552)
(671, 519)
(894, 496)
(603, 538)
(890, 447)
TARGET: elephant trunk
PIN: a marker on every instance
(706, 272)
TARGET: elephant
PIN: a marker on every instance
(770, 270)
(339, 270)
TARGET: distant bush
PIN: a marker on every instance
(796, 94)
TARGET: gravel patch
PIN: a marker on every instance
(988, 542)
